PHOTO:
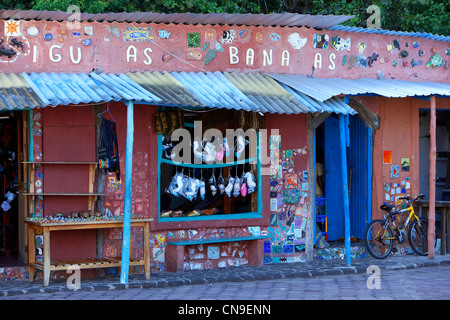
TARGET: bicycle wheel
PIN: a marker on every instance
(418, 236)
(379, 239)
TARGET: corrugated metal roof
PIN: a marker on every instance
(272, 97)
(289, 94)
(266, 93)
(324, 89)
(332, 105)
(390, 32)
(16, 93)
(124, 86)
(215, 90)
(166, 87)
(273, 19)
(253, 92)
(64, 89)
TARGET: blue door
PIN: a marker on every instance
(333, 179)
(359, 178)
(359, 171)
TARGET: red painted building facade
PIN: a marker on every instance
(69, 132)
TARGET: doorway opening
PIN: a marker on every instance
(330, 203)
(9, 187)
(442, 158)
(442, 154)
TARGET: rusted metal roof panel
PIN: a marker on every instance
(166, 87)
(254, 92)
(215, 90)
(16, 93)
(273, 19)
(64, 89)
(267, 94)
(238, 91)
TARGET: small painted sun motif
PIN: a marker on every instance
(12, 28)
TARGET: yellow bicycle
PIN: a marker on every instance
(380, 238)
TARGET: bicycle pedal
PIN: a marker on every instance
(394, 250)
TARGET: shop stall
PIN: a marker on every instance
(171, 146)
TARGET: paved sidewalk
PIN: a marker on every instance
(232, 274)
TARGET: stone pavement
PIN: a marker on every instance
(231, 274)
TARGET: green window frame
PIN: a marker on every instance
(247, 215)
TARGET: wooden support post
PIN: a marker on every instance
(31, 254)
(343, 144)
(46, 255)
(432, 174)
(309, 243)
(127, 196)
(313, 122)
(147, 251)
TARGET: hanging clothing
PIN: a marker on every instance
(108, 149)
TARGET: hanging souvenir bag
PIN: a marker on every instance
(237, 186)
(115, 165)
(103, 148)
(212, 183)
(221, 183)
(167, 121)
(108, 149)
(230, 184)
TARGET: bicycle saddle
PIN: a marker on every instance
(387, 207)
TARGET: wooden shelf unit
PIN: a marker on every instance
(48, 265)
(32, 192)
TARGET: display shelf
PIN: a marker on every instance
(87, 263)
(59, 162)
(207, 166)
(90, 194)
(31, 192)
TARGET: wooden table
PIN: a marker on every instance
(444, 208)
(48, 265)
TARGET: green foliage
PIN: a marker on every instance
(97, 6)
(431, 16)
(421, 16)
(166, 6)
(202, 6)
(14, 4)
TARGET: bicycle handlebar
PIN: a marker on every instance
(419, 196)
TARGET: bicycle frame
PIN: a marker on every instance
(381, 235)
(411, 217)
